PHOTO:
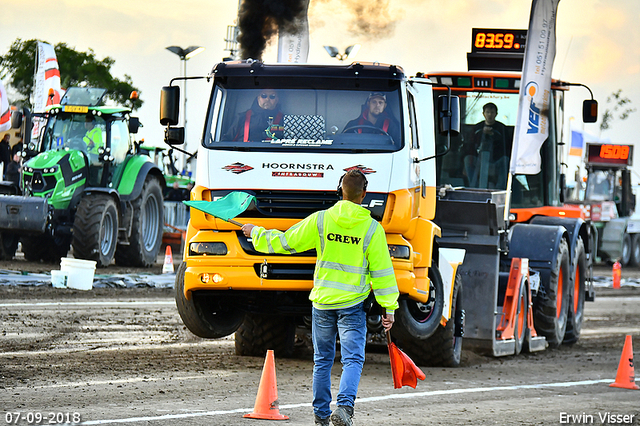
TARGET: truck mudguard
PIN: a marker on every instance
(575, 227)
(538, 243)
(134, 175)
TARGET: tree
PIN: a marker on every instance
(620, 109)
(76, 69)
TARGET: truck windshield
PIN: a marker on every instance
(74, 131)
(304, 119)
(601, 185)
(479, 156)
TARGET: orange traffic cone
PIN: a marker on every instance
(617, 274)
(626, 378)
(167, 268)
(266, 406)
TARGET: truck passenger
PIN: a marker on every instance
(353, 258)
(375, 115)
(263, 121)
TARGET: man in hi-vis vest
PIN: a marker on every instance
(353, 258)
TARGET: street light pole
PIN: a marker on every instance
(348, 52)
(185, 55)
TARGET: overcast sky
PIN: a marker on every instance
(598, 42)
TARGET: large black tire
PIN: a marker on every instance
(576, 309)
(626, 249)
(551, 307)
(418, 321)
(443, 347)
(258, 333)
(204, 316)
(146, 228)
(635, 250)
(8, 245)
(95, 229)
(45, 248)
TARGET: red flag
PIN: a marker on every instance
(404, 371)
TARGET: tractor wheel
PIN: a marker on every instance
(8, 245)
(146, 228)
(552, 303)
(443, 345)
(45, 248)
(576, 311)
(33, 248)
(520, 325)
(206, 317)
(261, 332)
(95, 229)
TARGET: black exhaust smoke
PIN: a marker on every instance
(259, 20)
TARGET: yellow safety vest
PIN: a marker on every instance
(353, 256)
(94, 135)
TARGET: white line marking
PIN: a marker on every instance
(359, 400)
(88, 303)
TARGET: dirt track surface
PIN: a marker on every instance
(122, 355)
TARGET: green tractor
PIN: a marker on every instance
(84, 185)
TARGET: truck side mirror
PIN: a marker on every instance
(590, 111)
(134, 125)
(16, 119)
(563, 187)
(169, 105)
(174, 135)
(449, 122)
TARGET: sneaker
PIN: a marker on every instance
(322, 422)
(342, 416)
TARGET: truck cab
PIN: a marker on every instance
(315, 129)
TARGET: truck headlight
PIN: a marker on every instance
(399, 252)
(204, 249)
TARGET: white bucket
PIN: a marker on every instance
(59, 279)
(80, 272)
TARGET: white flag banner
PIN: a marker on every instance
(47, 77)
(532, 124)
(294, 48)
(5, 112)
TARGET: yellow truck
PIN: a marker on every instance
(224, 286)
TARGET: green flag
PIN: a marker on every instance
(227, 207)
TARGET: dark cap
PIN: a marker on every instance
(378, 95)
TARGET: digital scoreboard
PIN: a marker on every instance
(497, 40)
(607, 154)
(496, 49)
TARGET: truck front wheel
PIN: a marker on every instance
(551, 306)
(576, 310)
(95, 229)
(206, 317)
(443, 348)
(415, 320)
(146, 228)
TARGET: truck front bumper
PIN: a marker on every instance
(239, 270)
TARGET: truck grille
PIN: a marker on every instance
(298, 204)
(285, 204)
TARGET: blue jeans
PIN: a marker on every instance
(350, 324)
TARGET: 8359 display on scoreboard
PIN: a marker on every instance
(498, 40)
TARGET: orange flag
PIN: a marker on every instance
(404, 371)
